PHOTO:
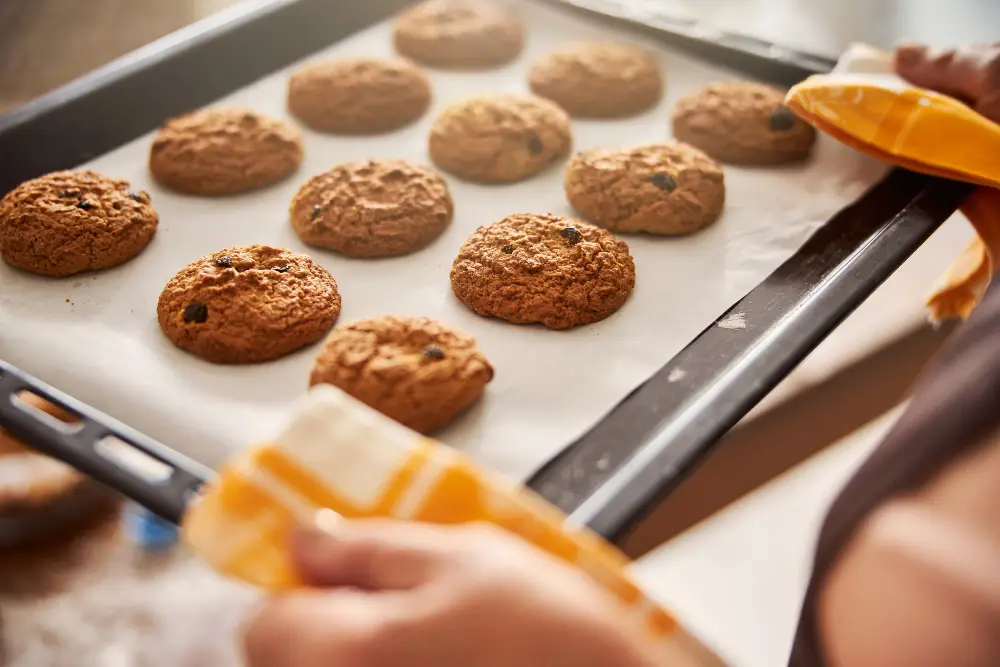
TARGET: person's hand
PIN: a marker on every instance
(971, 73)
(391, 593)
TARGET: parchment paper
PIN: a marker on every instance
(95, 336)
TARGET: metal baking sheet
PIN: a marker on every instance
(95, 336)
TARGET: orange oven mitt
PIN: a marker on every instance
(884, 117)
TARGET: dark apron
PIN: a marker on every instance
(954, 408)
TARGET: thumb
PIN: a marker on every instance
(969, 73)
(370, 554)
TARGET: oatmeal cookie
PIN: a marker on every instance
(533, 268)
(248, 304)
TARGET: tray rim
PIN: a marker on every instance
(619, 496)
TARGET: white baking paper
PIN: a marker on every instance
(96, 337)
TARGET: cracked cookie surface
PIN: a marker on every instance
(533, 268)
(248, 304)
(458, 34)
(224, 151)
(416, 370)
(359, 96)
(69, 222)
(742, 123)
(374, 208)
(666, 188)
(499, 138)
(598, 79)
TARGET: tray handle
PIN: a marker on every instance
(97, 445)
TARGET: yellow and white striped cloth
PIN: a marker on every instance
(338, 454)
(879, 114)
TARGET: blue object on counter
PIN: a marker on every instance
(148, 530)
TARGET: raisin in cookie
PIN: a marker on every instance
(359, 96)
(531, 268)
(248, 304)
(376, 208)
(68, 222)
(214, 152)
(598, 80)
(667, 188)
(458, 34)
(499, 138)
(415, 370)
(743, 123)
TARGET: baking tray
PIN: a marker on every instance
(610, 476)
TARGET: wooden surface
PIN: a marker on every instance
(46, 43)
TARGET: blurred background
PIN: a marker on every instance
(45, 43)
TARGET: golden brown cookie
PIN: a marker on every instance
(418, 371)
(499, 138)
(458, 34)
(224, 151)
(533, 268)
(359, 96)
(667, 188)
(68, 222)
(742, 123)
(598, 79)
(375, 208)
(248, 304)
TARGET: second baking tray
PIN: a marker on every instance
(96, 336)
